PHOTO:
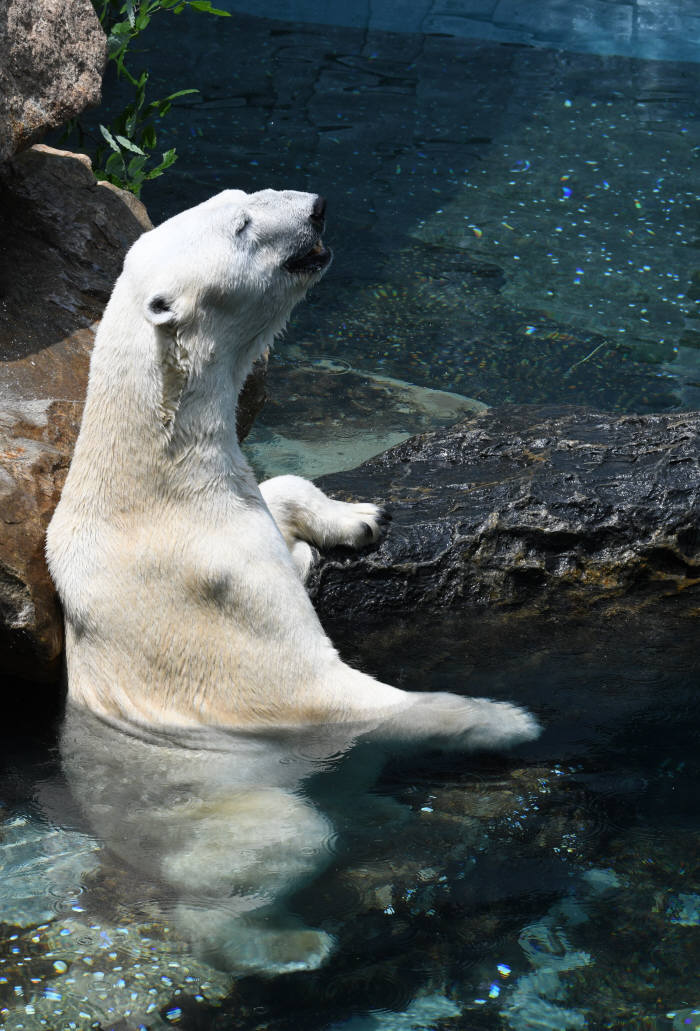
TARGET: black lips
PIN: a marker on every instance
(313, 260)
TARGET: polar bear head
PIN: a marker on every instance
(244, 258)
(205, 293)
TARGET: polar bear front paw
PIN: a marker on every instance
(356, 524)
(304, 513)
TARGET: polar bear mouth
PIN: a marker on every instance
(313, 260)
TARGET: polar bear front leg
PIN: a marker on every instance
(306, 516)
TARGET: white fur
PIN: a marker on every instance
(182, 595)
(187, 622)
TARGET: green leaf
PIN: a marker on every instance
(129, 5)
(205, 5)
(148, 138)
(135, 167)
(115, 47)
(181, 93)
(114, 165)
(169, 158)
(121, 30)
(110, 139)
(143, 20)
(128, 145)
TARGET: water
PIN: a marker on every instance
(553, 888)
(511, 220)
(513, 206)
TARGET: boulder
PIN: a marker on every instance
(63, 241)
(544, 510)
(53, 57)
(35, 447)
(64, 237)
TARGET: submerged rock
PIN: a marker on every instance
(553, 509)
(324, 416)
(40, 864)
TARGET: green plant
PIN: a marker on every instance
(124, 155)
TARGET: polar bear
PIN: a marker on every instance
(181, 580)
(203, 692)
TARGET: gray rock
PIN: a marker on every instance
(64, 239)
(547, 509)
(53, 56)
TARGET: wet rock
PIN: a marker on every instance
(53, 58)
(539, 508)
(36, 438)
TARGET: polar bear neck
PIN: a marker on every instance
(160, 413)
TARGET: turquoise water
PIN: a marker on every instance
(513, 207)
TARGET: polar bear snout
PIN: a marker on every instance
(314, 259)
(318, 213)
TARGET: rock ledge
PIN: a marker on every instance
(554, 509)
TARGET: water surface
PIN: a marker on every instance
(556, 887)
(513, 188)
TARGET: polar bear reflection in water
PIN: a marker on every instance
(202, 689)
(217, 831)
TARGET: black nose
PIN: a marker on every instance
(318, 212)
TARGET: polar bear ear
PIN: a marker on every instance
(241, 220)
(160, 310)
